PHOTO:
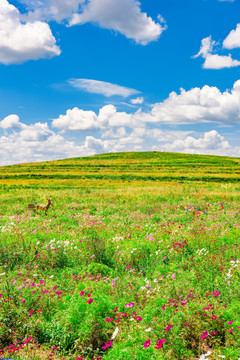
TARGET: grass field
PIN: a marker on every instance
(137, 259)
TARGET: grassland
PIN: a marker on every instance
(138, 258)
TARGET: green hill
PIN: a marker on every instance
(123, 168)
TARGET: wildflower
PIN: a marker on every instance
(149, 329)
(81, 293)
(107, 345)
(109, 319)
(168, 327)
(204, 335)
(30, 313)
(89, 301)
(147, 343)
(230, 322)
(159, 343)
(129, 305)
(23, 301)
(55, 288)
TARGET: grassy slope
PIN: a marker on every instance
(127, 217)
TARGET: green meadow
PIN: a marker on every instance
(138, 258)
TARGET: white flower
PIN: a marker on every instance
(2, 274)
(147, 330)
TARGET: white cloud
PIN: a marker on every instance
(214, 61)
(57, 10)
(232, 41)
(76, 120)
(11, 122)
(137, 101)
(199, 106)
(210, 141)
(124, 16)
(20, 41)
(220, 62)
(102, 87)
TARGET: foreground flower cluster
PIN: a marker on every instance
(123, 280)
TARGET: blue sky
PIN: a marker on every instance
(84, 77)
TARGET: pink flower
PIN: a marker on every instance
(129, 305)
(168, 327)
(107, 345)
(89, 301)
(186, 324)
(81, 293)
(147, 343)
(138, 318)
(213, 333)
(30, 313)
(204, 335)
(23, 301)
(55, 288)
(109, 319)
(230, 330)
(159, 343)
(230, 322)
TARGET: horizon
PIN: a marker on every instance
(78, 81)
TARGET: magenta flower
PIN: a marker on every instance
(204, 335)
(107, 345)
(81, 293)
(129, 305)
(230, 322)
(109, 319)
(168, 327)
(55, 288)
(147, 343)
(89, 301)
(159, 343)
(23, 301)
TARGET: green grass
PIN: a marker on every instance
(162, 249)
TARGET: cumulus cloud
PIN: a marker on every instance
(20, 41)
(76, 120)
(197, 105)
(200, 105)
(210, 141)
(124, 16)
(57, 10)
(11, 122)
(232, 41)
(214, 61)
(102, 87)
